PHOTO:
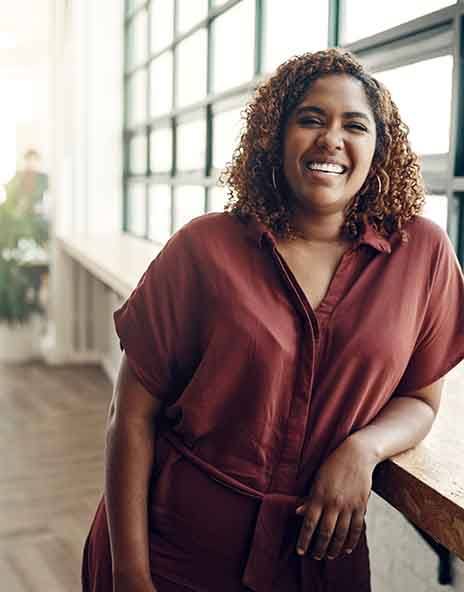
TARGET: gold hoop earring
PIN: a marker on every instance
(380, 185)
(274, 184)
(379, 190)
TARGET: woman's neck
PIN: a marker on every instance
(319, 229)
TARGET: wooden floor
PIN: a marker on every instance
(51, 472)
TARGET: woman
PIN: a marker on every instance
(276, 353)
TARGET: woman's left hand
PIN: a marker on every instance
(335, 508)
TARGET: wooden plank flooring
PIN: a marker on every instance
(51, 472)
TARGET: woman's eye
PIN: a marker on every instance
(310, 121)
(358, 127)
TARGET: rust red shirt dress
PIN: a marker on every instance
(258, 389)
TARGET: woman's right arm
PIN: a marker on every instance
(129, 459)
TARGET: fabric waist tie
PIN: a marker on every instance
(274, 512)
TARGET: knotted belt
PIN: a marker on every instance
(274, 512)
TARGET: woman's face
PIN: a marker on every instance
(329, 144)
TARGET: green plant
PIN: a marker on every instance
(23, 236)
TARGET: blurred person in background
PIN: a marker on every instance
(25, 191)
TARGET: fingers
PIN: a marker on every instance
(308, 527)
(327, 534)
(330, 529)
(340, 535)
(356, 527)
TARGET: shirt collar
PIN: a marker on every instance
(258, 232)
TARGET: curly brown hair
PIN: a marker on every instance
(393, 191)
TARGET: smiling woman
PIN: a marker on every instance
(318, 296)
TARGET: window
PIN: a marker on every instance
(293, 27)
(161, 150)
(226, 133)
(362, 20)
(217, 199)
(189, 203)
(191, 69)
(137, 212)
(232, 67)
(161, 85)
(191, 146)
(162, 24)
(190, 12)
(138, 155)
(160, 204)
(436, 208)
(425, 107)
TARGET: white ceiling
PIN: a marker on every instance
(26, 24)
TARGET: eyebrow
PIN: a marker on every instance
(346, 114)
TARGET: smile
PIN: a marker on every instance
(326, 167)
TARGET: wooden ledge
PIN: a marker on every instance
(425, 484)
(118, 260)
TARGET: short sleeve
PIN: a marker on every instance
(157, 325)
(440, 345)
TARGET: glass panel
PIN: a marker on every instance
(226, 132)
(190, 12)
(189, 203)
(138, 39)
(231, 68)
(133, 4)
(161, 150)
(137, 88)
(359, 21)
(191, 69)
(191, 146)
(424, 107)
(217, 199)
(136, 213)
(219, 2)
(436, 208)
(138, 155)
(159, 223)
(161, 85)
(293, 27)
(162, 24)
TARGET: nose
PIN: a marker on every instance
(330, 139)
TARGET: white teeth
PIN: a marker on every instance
(325, 167)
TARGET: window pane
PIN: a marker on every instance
(231, 68)
(191, 146)
(161, 150)
(359, 21)
(159, 227)
(162, 24)
(138, 39)
(136, 213)
(424, 107)
(137, 90)
(161, 85)
(188, 204)
(133, 4)
(217, 199)
(190, 12)
(226, 132)
(191, 69)
(219, 2)
(293, 27)
(138, 155)
(436, 208)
